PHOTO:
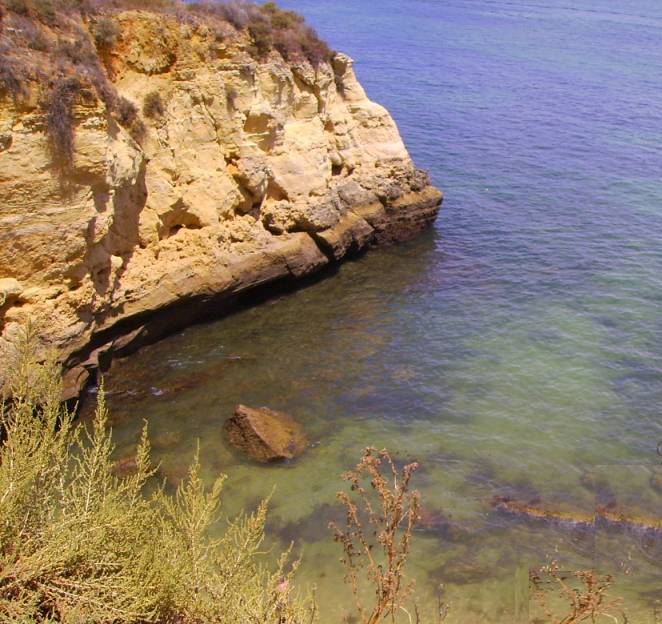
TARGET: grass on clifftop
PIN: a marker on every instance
(78, 544)
(56, 52)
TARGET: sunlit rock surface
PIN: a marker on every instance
(253, 173)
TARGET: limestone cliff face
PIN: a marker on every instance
(253, 172)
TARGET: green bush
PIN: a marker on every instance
(78, 544)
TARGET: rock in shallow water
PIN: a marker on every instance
(265, 435)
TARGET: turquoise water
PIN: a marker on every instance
(514, 350)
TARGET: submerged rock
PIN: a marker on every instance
(125, 467)
(435, 521)
(462, 570)
(264, 434)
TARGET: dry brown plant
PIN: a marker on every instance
(588, 602)
(381, 511)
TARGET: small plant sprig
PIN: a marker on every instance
(587, 603)
(379, 522)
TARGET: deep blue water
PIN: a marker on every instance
(516, 349)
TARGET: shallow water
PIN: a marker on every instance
(514, 350)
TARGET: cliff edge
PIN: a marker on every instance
(200, 172)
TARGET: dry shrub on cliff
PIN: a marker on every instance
(153, 105)
(106, 32)
(35, 38)
(287, 32)
(60, 119)
(12, 82)
(126, 113)
(281, 19)
(138, 5)
(262, 35)
(78, 51)
(78, 544)
(381, 512)
(584, 591)
(239, 14)
(17, 6)
(270, 27)
(302, 42)
(45, 11)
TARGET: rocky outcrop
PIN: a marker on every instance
(265, 435)
(251, 172)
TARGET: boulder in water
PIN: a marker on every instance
(264, 434)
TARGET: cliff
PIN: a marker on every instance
(206, 172)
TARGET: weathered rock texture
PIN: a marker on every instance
(254, 172)
(265, 435)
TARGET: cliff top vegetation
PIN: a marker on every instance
(54, 53)
(90, 25)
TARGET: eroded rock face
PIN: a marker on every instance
(265, 435)
(254, 172)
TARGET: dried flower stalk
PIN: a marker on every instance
(376, 538)
(587, 603)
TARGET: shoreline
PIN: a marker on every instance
(198, 170)
(292, 263)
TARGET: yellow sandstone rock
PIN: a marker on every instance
(254, 172)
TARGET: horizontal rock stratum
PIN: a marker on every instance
(248, 172)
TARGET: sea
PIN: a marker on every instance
(514, 350)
